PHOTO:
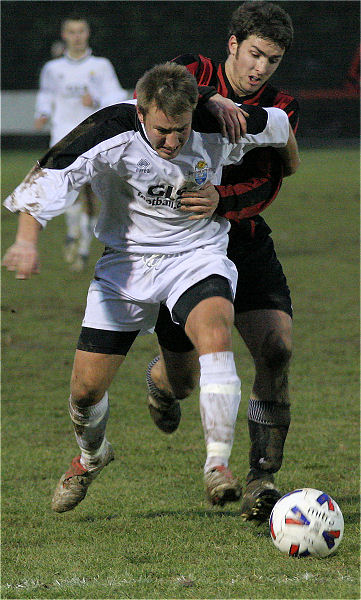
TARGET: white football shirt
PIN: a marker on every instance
(63, 82)
(140, 191)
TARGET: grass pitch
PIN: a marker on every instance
(145, 530)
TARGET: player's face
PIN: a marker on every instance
(167, 135)
(76, 35)
(251, 63)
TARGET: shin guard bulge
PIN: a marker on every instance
(268, 424)
(89, 425)
(219, 402)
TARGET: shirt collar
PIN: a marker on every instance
(88, 53)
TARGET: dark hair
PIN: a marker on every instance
(264, 19)
(171, 86)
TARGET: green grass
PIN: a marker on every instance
(145, 530)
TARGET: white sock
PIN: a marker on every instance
(89, 426)
(72, 219)
(219, 401)
(87, 225)
(90, 460)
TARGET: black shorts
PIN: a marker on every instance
(214, 285)
(261, 281)
(106, 342)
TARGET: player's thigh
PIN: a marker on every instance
(258, 326)
(262, 283)
(209, 325)
(92, 375)
(108, 309)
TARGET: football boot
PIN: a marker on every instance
(221, 486)
(73, 485)
(260, 496)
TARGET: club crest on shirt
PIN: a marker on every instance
(200, 171)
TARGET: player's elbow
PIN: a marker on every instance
(291, 167)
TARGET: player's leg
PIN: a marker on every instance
(172, 375)
(97, 359)
(267, 334)
(263, 316)
(72, 224)
(87, 221)
(108, 331)
(89, 411)
(208, 323)
(92, 375)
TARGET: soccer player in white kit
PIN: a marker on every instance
(140, 158)
(72, 87)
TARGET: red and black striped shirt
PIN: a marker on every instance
(246, 189)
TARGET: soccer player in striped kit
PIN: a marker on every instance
(259, 35)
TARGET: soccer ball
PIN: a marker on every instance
(306, 522)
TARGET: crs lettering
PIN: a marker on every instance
(164, 195)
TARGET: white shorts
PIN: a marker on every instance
(128, 289)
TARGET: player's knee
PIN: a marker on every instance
(215, 337)
(85, 393)
(276, 351)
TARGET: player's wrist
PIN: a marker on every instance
(220, 210)
(25, 244)
(206, 93)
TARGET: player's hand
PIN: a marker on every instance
(23, 258)
(203, 202)
(232, 119)
(87, 100)
(40, 122)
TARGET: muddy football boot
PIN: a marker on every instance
(73, 485)
(260, 496)
(166, 415)
(221, 486)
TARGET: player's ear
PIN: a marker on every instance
(140, 115)
(232, 45)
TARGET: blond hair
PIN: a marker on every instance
(170, 86)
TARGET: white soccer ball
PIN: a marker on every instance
(306, 522)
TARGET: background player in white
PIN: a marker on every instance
(140, 160)
(72, 87)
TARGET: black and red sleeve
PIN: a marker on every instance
(249, 188)
(205, 72)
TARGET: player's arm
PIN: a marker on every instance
(89, 101)
(47, 191)
(249, 188)
(44, 98)
(253, 193)
(42, 195)
(290, 155)
(231, 118)
(108, 89)
(201, 203)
